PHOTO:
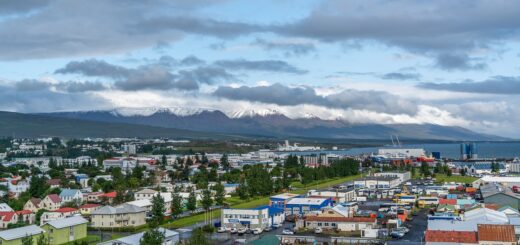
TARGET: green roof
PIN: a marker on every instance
(266, 240)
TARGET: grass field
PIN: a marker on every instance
(235, 202)
(455, 178)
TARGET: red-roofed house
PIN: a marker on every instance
(109, 196)
(86, 209)
(450, 237)
(448, 201)
(67, 211)
(13, 217)
(51, 202)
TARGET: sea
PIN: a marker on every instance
(447, 150)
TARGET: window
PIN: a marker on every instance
(319, 224)
(333, 224)
(326, 224)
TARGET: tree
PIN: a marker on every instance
(198, 238)
(164, 161)
(220, 193)
(38, 186)
(206, 201)
(224, 162)
(176, 205)
(152, 237)
(413, 171)
(462, 172)
(27, 240)
(42, 240)
(157, 210)
(192, 202)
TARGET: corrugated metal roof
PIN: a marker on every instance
(67, 222)
(20, 232)
(123, 208)
(496, 233)
(451, 236)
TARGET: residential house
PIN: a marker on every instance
(145, 194)
(16, 187)
(124, 215)
(93, 196)
(65, 230)
(13, 217)
(58, 214)
(170, 238)
(230, 188)
(5, 208)
(33, 204)
(86, 209)
(15, 236)
(496, 234)
(50, 202)
(54, 183)
(71, 195)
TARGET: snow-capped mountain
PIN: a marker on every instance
(269, 123)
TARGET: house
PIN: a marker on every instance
(469, 221)
(435, 237)
(247, 218)
(54, 183)
(16, 187)
(65, 230)
(496, 234)
(300, 205)
(109, 196)
(500, 195)
(280, 200)
(170, 238)
(58, 214)
(33, 204)
(71, 195)
(230, 188)
(124, 215)
(15, 236)
(5, 208)
(51, 202)
(146, 202)
(340, 210)
(144, 194)
(86, 209)
(93, 196)
(13, 217)
(311, 222)
(488, 179)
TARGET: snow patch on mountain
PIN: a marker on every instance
(148, 111)
(253, 113)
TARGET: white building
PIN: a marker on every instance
(373, 182)
(247, 218)
(401, 152)
(403, 176)
(170, 238)
(509, 181)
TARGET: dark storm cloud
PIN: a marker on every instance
(94, 68)
(206, 74)
(288, 96)
(401, 76)
(451, 62)
(259, 65)
(494, 85)
(289, 48)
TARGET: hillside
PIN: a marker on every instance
(27, 125)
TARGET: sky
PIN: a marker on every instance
(443, 62)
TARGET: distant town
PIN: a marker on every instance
(125, 191)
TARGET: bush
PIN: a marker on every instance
(208, 228)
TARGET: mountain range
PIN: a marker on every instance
(269, 123)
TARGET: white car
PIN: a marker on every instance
(287, 232)
(233, 230)
(276, 226)
(257, 231)
(221, 229)
(242, 231)
(318, 230)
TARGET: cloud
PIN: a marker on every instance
(32, 85)
(192, 60)
(296, 48)
(259, 65)
(493, 85)
(154, 76)
(79, 87)
(452, 62)
(19, 7)
(289, 96)
(417, 26)
(401, 76)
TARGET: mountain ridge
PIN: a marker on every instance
(272, 123)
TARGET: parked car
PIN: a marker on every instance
(221, 229)
(233, 230)
(242, 231)
(318, 230)
(257, 231)
(268, 228)
(397, 234)
(276, 226)
(287, 232)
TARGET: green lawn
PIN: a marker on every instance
(90, 239)
(455, 178)
(235, 202)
